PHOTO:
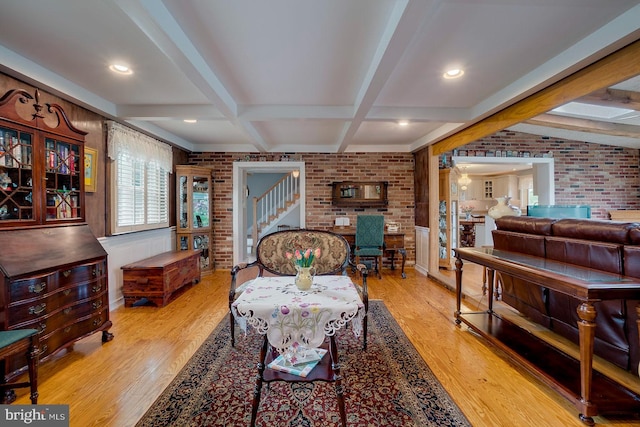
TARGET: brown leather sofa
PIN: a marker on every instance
(604, 245)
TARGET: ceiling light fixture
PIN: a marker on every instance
(464, 179)
(295, 173)
(190, 121)
(454, 73)
(120, 69)
(403, 123)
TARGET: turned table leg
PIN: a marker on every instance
(587, 330)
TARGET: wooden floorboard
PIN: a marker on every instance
(113, 384)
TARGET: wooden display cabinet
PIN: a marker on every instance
(359, 193)
(448, 221)
(41, 163)
(194, 226)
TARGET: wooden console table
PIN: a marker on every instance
(393, 242)
(589, 391)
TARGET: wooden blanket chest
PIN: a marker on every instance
(158, 278)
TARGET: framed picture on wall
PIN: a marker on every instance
(90, 169)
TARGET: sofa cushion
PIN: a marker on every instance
(586, 253)
(519, 242)
(611, 333)
(525, 224)
(631, 260)
(634, 235)
(598, 230)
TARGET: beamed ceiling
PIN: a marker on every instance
(324, 76)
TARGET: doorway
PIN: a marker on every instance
(240, 172)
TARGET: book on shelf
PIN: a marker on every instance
(302, 367)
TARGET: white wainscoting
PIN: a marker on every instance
(422, 250)
(127, 248)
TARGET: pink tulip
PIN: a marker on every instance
(317, 253)
(289, 255)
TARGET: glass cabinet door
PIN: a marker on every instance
(62, 180)
(183, 211)
(200, 202)
(16, 179)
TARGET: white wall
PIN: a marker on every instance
(127, 248)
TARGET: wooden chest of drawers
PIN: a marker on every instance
(156, 279)
(54, 281)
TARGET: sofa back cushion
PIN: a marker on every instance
(593, 229)
(526, 224)
(334, 256)
(586, 253)
(519, 242)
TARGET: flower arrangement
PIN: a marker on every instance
(466, 209)
(303, 259)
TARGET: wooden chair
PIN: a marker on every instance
(19, 343)
(370, 239)
(271, 260)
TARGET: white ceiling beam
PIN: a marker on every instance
(405, 20)
(169, 112)
(294, 112)
(155, 20)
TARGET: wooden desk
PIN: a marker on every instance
(589, 391)
(393, 242)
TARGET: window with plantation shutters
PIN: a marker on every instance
(140, 190)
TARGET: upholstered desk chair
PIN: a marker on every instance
(19, 343)
(370, 239)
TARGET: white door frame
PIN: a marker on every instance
(240, 171)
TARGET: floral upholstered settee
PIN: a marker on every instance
(271, 260)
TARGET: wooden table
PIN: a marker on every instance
(590, 392)
(393, 242)
(288, 316)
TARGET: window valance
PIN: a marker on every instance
(121, 138)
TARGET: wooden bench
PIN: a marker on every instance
(157, 279)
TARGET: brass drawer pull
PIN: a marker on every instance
(42, 327)
(98, 321)
(66, 273)
(97, 288)
(37, 309)
(66, 292)
(67, 310)
(97, 304)
(36, 289)
(67, 329)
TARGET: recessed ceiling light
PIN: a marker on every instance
(120, 69)
(403, 123)
(190, 121)
(454, 73)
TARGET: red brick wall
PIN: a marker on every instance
(321, 170)
(604, 177)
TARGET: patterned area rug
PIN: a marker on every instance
(387, 385)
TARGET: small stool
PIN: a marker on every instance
(20, 342)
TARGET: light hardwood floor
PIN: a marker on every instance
(113, 384)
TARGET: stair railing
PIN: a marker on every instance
(268, 206)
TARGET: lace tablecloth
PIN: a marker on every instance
(275, 306)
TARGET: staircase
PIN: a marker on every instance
(273, 205)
